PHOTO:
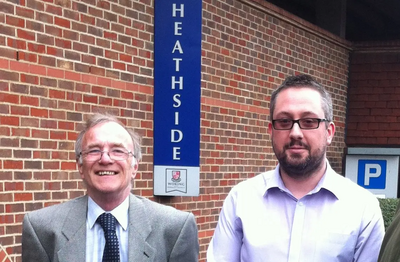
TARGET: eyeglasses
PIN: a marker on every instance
(116, 154)
(304, 123)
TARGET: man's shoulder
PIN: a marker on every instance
(157, 209)
(57, 209)
(52, 216)
(259, 180)
(254, 187)
(349, 189)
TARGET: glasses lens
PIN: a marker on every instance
(283, 124)
(114, 154)
(309, 123)
(92, 155)
(118, 154)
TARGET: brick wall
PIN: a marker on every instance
(63, 59)
(374, 95)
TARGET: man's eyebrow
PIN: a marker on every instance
(102, 145)
(307, 114)
(283, 114)
(92, 145)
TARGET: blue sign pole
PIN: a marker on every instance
(177, 91)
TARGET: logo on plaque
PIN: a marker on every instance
(176, 180)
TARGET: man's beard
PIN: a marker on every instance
(297, 167)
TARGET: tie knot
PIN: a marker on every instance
(107, 222)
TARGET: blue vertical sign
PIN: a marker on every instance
(177, 86)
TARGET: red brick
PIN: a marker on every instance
(12, 164)
(90, 99)
(110, 35)
(9, 98)
(9, 120)
(26, 35)
(18, 44)
(56, 94)
(64, 44)
(38, 133)
(48, 144)
(68, 165)
(8, 53)
(58, 135)
(62, 22)
(37, 70)
(105, 101)
(30, 79)
(23, 197)
(125, 58)
(24, 12)
(19, 110)
(19, 22)
(54, 51)
(29, 100)
(120, 66)
(98, 90)
(39, 112)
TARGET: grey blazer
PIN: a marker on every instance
(157, 233)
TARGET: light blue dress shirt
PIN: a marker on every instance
(95, 240)
(261, 221)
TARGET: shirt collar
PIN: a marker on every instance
(120, 213)
(328, 182)
(332, 182)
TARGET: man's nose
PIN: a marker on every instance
(105, 157)
(296, 131)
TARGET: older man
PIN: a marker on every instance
(109, 223)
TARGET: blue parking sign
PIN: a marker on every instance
(372, 173)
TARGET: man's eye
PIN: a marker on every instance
(308, 121)
(118, 151)
(285, 121)
(94, 151)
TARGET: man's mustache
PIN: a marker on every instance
(296, 143)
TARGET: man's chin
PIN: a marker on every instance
(296, 160)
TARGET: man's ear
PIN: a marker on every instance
(79, 164)
(331, 133)
(269, 128)
(134, 165)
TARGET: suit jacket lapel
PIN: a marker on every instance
(74, 230)
(139, 229)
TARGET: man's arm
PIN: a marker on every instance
(390, 250)
(186, 248)
(32, 248)
(370, 239)
(225, 246)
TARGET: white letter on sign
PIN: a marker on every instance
(180, 136)
(368, 174)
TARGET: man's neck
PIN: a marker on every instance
(300, 187)
(108, 201)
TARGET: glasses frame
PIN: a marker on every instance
(319, 120)
(85, 153)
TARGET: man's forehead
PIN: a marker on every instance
(303, 100)
(108, 131)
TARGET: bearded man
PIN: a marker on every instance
(302, 210)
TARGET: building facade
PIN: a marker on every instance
(61, 60)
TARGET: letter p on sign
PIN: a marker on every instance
(371, 170)
(372, 173)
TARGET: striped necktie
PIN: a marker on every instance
(111, 249)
